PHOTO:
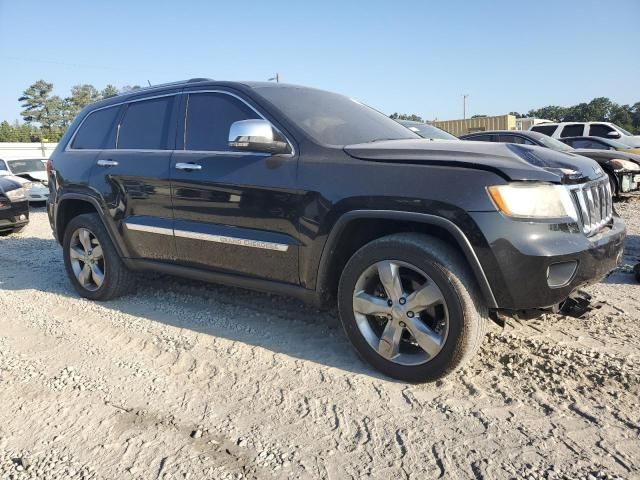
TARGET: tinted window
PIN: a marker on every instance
(3, 166)
(209, 117)
(574, 130)
(332, 119)
(479, 138)
(600, 130)
(514, 139)
(146, 124)
(545, 129)
(586, 143)
(98, 130)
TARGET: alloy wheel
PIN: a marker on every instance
(87, 259)
(401, 312)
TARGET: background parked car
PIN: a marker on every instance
(597, 143)
(427, 131)
(33, 173)
(623, 168)
(585, 129)
(14, 207)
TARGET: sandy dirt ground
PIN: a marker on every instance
(187, 380)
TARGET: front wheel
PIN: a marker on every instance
(410, 306)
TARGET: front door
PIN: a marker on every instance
(233, 211)
(133, 177)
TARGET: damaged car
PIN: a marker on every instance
(14, 207)
(622, 168)
(33, 173)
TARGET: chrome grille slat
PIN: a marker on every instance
(594, 204)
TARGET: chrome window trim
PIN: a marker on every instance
(68, 147)
(225, 92)
(207, 237)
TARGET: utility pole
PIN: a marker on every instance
(464, 105)
(276, 78)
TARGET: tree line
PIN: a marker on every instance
(47, 116)
(599, 109)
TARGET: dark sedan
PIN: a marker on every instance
(623, 168)
(14, 207)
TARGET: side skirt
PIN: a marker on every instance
(310, 297)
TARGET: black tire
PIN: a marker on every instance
(468, 313)
(118, 279)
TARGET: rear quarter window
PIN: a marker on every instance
(575, 130)
(97, 132)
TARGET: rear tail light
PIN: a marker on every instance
(49, 167)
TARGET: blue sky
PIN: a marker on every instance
(412, 57)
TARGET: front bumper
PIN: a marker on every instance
(628, 181)
(14, 215)
(521, 258)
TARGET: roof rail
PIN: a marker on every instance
(199, 79)
(168, 84)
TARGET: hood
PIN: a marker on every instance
(10, 176)
(34, 176)
(510, 161)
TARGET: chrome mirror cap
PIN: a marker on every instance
(255, 136)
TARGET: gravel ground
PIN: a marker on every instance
(187, 380)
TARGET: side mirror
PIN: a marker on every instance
(256, 136)
(613, 134)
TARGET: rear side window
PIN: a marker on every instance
(145, 125)
(479, 138)
(514, 139)
(574, 130)
(544, 129)
(600, 130)
(209, 117)
(97, 132)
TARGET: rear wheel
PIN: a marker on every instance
(92, 262)
(409, 306)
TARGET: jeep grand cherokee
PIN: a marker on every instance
(308, 193)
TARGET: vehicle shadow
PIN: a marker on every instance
(279, 324)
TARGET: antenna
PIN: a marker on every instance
(276, 78)
(149, 82)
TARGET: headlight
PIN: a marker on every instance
(620, 164)
(16, 195)
(533, 200)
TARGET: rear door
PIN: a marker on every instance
(133, 177)
(234, 211)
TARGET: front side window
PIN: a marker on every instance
(146, 125)
(574, 130)
(209, 118)
(479, 138)
(601, 130)
(514, 139)
(3, 166)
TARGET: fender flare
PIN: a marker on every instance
(96, 204)
(441, 222)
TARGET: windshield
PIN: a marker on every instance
(24, 166)
(614, 143)
(554, 144)
(333, 119)
(624, 132)
(429, 131)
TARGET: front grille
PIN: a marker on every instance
(594, 204)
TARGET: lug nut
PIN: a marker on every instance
(410, 314)
(402, 324)
(403, 301)
(390, 303)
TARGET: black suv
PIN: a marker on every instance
(307, 193)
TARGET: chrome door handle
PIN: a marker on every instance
(107, 163)
(188, 166)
